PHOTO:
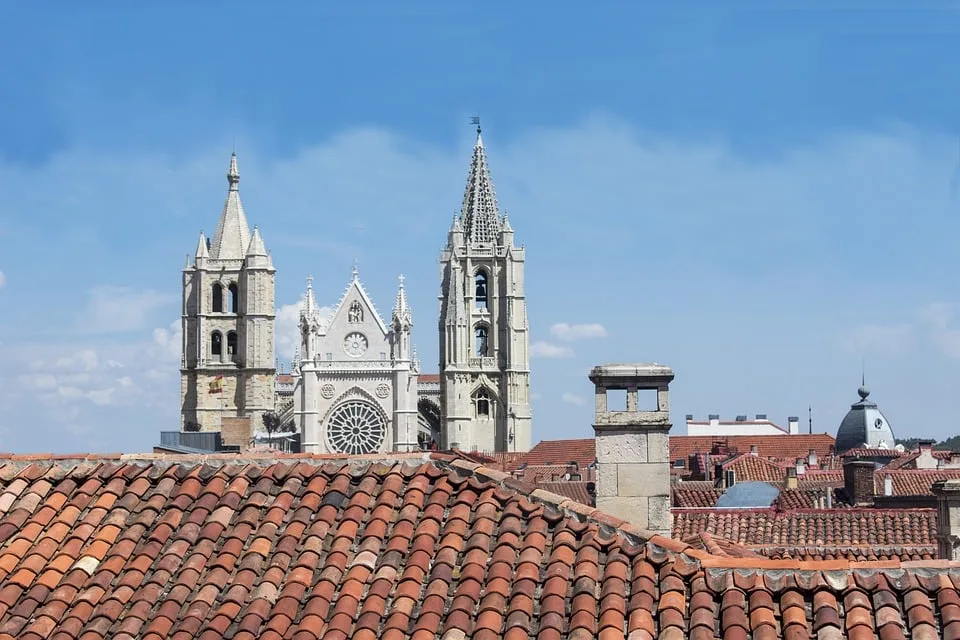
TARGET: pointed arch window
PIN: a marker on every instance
(483, 341)
(234, 297)
(232, 345)
(217, 294)
(216, 344)
(481, 400)
(480, 280)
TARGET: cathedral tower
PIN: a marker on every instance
(484, 335)
(227, 364)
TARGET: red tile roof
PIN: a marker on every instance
(911, 531)
(864, 452)
(751, 468)
(572, 489)
(785, 447)
(414, 546)
(811, 497)
(694, 493)
(583, 451)
(428, 377)
(912, 482)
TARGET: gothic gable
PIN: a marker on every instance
(356, 331)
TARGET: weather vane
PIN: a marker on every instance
(476, 120)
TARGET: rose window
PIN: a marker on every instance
(356, 428)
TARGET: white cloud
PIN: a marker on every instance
(938, 318)
(287, 328)
(571, 332)
(571, 398)
(167, 343)
(876, 338)
(547, 350)
(114, 309)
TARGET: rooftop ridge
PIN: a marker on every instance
(659, 548)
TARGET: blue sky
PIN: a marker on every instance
(759, 198)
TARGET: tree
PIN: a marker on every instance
(271, 422)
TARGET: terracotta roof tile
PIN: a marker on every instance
(694, 493)
(309, 547)
(785, 448)
(903, 533)
(912, 482)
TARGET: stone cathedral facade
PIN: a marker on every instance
(484, 333)
(356, 382)
(227, 365)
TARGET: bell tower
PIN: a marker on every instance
(227, 364)
(484, 333)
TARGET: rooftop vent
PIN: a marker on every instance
(761, 416)
(689, 417)
(741, 418)
(714, 416)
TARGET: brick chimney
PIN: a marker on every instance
(633, 461)
(948, 518)
(858, 481)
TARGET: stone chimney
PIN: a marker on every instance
(791, 481)
(858, 481)
(633, 459)
(888, 485)
(812, 459)
(948, 518)
(925, 459)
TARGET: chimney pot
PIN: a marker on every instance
(888, 485)
(754, 450)
(741, 418)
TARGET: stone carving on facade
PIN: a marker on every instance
(383, 390)
(328, 391)
(355, 315)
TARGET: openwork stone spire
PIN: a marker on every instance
(480, 213)
(232, 238)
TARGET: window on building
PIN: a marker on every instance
(482, 341)
(234, 298)
(329, 355)
(482, 400)
(232, 345)
(216, 344)
(481, 290)
(217, 297)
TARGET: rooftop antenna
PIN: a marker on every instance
(810, 418)
(476, 120)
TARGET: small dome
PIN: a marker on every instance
(864, 426)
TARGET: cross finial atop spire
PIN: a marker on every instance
(233, 175)
(355, 272)
(476, 120)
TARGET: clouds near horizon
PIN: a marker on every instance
(741, 271)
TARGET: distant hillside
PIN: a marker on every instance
(950, 444)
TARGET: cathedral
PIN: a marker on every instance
(356, 385)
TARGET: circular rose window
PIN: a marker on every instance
(355, 428)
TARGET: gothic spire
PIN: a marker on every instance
(401, 312)
(309, 302)
(202, 247)
(256, 247)
(233, 233)
(479, 210)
